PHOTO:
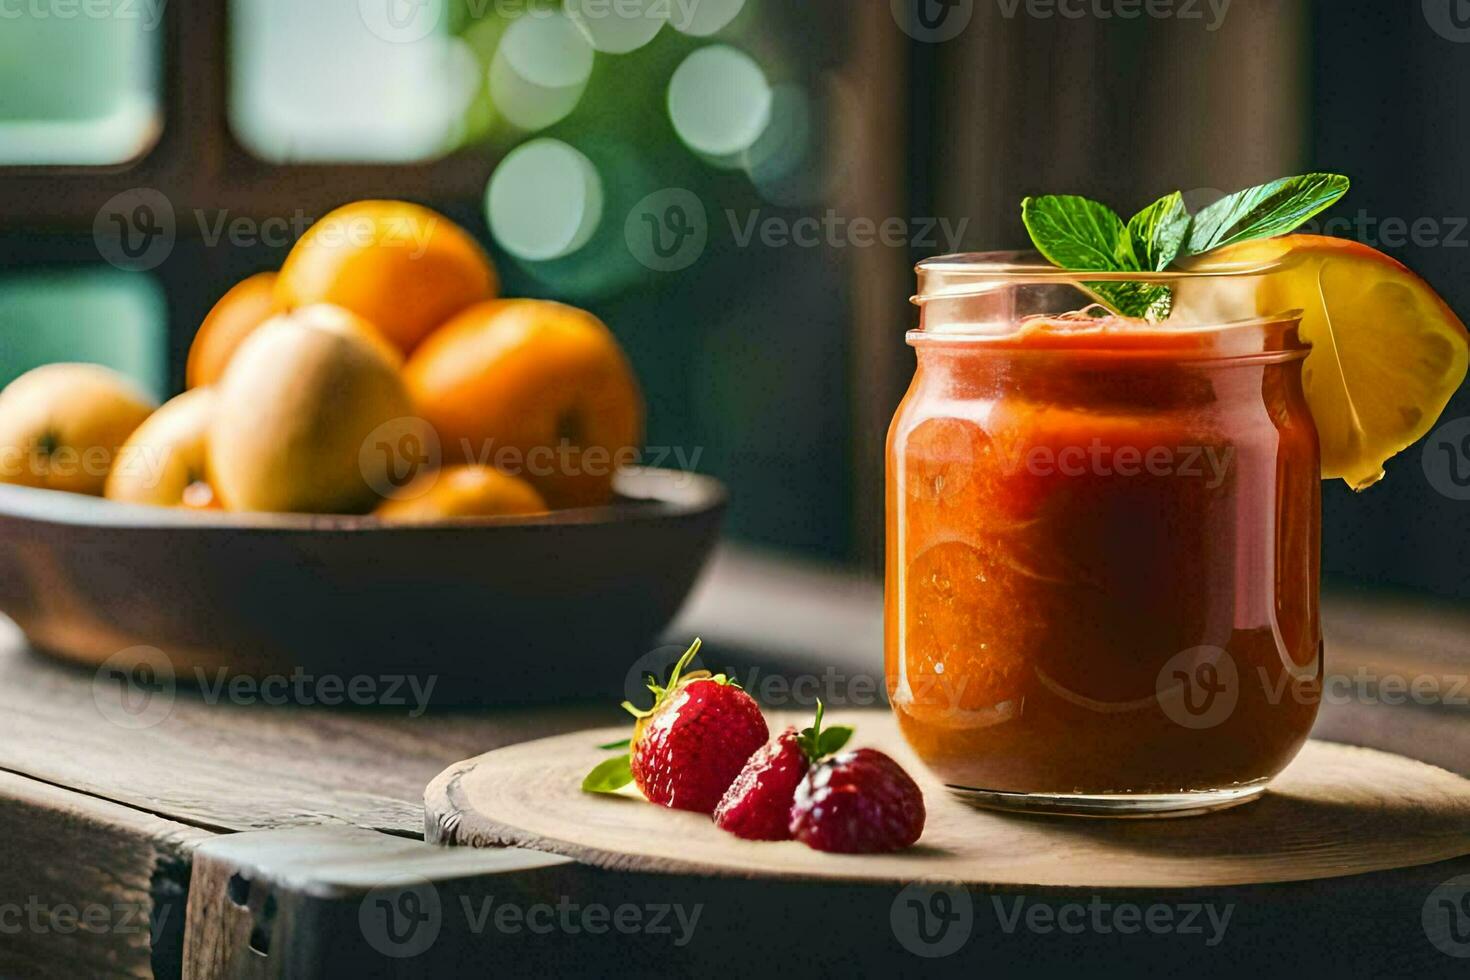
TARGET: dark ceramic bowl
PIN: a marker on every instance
(496, 609)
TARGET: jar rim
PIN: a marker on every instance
(1264, 339)
(950, 276)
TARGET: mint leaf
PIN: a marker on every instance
(1159, 231)
(1078, 233)
(1139, 300)
(1277, 208)
(609, 776)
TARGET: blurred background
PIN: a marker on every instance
(738, 187)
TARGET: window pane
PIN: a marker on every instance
(79, 83)
(339, 80)
(103, 316)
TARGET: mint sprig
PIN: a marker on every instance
(1080, 234)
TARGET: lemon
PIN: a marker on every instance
(1387, 352)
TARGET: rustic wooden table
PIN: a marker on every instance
(216, 838)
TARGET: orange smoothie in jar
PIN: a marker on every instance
(1102, 561)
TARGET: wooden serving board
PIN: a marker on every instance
(1338, 810)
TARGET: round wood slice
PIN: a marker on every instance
(1338, 810)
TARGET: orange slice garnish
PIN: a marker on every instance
(1387, 352)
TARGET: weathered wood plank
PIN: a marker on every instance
(87, 887)
(335, 902)
(257, 766)
(238, 767)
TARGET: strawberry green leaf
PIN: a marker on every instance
(817, 742)
(609, 776)
(833, 739)
(661, 694)
(619, 744)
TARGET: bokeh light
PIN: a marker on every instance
(701, 18)
(719, 101)
(540, 70)
(619, 26)
(785, 163)
(544, 200)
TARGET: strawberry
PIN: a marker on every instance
(859, 802)
(690, 744)
(757, 806)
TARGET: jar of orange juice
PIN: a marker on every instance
(1103, 541)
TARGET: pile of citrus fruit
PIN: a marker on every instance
(377, 371)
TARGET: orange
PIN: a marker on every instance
(301, 413)
(61, 426)
(163, 462)
(1387, 352)
(248, 304)
(401, 267)
(534, 388)
(462, 491)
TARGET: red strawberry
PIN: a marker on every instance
(691, 744)
(757, 806)
(859, 802)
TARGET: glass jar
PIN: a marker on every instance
(1103, 541)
